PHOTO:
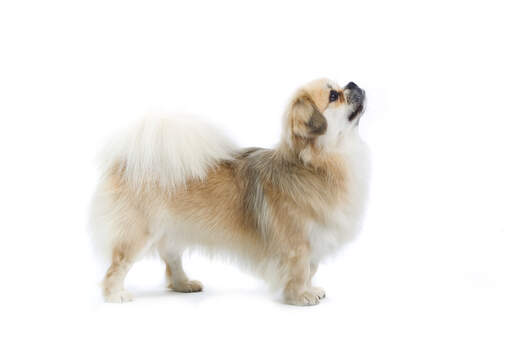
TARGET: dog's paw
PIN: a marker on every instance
(318, 292)
(188, 286)
(308, 297)
(119, 297)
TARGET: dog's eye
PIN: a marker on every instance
(333, 96)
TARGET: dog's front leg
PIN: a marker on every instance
(298, 290)
(316, 290)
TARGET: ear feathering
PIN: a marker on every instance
(303, 124)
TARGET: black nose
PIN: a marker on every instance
(351, 86)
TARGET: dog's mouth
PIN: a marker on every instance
(357, 98)
(358, 111)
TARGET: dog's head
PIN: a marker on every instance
(321, 111)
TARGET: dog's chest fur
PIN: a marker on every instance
(343, 222)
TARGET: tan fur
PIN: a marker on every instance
(257, 206)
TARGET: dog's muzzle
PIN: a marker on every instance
(357, 98)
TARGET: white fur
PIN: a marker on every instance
(344, 223)
(167, 151)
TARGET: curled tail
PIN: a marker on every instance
(167, 151)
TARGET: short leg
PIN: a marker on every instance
(298, 290)
(113, 283)
(319, 292)
(177, 280)
(124, 254)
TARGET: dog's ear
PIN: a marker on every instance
(307, 121)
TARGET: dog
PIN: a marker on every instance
(175, 184)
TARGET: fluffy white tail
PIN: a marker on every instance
(167, 151)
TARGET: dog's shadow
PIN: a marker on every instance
(211, 294)
(145, 294)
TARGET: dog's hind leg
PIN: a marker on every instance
(124, 255)
(176, 278)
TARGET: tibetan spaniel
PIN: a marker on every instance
(176, 184)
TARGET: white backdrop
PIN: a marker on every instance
(434, 259)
